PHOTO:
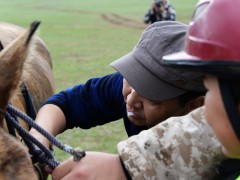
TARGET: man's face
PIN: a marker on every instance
(143, 112)
(218, 120)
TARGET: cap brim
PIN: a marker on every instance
(179, 56)
(143, 80)
(219, 68)
(182, 60)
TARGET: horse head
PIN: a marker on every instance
(24, 60)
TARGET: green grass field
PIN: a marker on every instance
(83, 38)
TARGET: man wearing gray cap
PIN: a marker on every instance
(144, 92)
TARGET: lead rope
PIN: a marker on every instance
(36, 149)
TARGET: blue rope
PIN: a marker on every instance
(37, 149)
(44, 155)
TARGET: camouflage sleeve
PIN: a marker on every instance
(178, 148)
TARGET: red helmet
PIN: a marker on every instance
(212, 46)
(213, 40)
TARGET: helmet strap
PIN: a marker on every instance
(230, 105)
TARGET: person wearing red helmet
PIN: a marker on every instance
(212, 46)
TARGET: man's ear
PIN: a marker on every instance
(194, 104)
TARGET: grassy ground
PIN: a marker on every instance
(83, 38)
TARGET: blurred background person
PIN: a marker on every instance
(160, 10)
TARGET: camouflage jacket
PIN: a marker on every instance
(178, 148)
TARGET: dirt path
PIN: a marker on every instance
(122, 21)
(110, 18)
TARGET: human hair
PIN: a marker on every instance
(235, 88)
(190, 95)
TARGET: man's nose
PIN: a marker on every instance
(134, 100)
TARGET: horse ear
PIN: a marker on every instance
(12, 58)
(32, 30)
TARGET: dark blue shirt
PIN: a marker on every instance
(94, 103)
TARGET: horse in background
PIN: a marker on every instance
(25, 65)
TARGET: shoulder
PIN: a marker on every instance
(176, 148)
(171, 8)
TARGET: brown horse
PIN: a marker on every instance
(24, 58)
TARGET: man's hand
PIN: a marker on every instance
(95, 165)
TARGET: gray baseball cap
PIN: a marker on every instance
(143, 67)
